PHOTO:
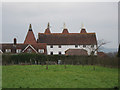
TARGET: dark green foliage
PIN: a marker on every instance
(53, 59)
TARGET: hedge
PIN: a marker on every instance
(72, 60)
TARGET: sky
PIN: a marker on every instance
(98, 17)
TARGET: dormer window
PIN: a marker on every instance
(41, 50)
(7, 50)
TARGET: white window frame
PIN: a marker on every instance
(41, 50)
(51, 53)
(7, 50)
(18, 50)
(51, 46)
(84, 46)
(59, 46)
(76, 46)
(92, 46)
(59, 53)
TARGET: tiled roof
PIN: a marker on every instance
(30, 38)
(68, 39)
(76, 52)
(101, 54)
(40, 46)
(13, 47)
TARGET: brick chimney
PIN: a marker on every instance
(15, 41)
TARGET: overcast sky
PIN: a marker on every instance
(98, 17)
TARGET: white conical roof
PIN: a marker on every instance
(82, 26)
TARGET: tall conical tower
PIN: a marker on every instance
(30, 38)
(47, 31)
(65, 30)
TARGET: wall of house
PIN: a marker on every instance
(63, 48)
(1, 51)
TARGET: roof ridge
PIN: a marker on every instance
(67, 33)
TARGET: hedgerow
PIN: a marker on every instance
(71, 60)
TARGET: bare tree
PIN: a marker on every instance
(94, 49)
(99, 44)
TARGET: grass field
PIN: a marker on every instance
(36, 76)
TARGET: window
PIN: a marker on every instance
(84, 45)
(76, 46)
(59, 46)
(92, 46)
(41, 50)
(51, 46)
(29, 50)
(18, 51)
(8, 50)
(51, 53)
(59, 53)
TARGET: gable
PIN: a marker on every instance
(30, 49)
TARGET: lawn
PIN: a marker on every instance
(74, 76)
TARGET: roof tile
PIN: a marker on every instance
(67, 39)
